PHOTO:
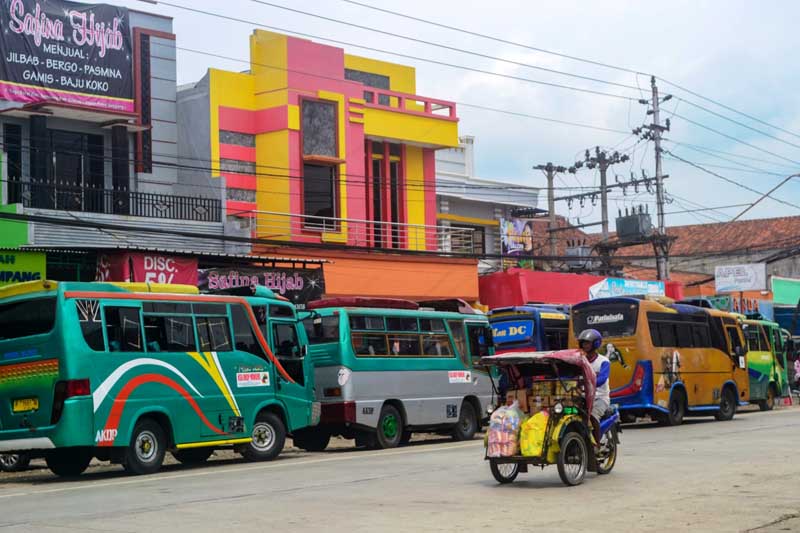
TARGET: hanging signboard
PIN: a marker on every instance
(611, 287)
(144, 267)
(17, 267)
(741, 278)
(299, 285)
(516, 236)
(66, 52)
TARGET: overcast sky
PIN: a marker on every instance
(739, 53)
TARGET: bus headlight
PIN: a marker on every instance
(558, 408)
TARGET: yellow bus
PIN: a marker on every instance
(668, 360)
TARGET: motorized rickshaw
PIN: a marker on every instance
(559, 387)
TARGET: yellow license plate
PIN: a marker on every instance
(25, 404)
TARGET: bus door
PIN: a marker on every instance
(738, 355)
(282, 332)
(480, 343)
(779, 352)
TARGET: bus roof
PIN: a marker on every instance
(363, 302)
(28, 287)
(544, 311)
(446, 315)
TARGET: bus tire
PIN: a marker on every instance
(314, 440)
(145, 453)
(269, 436)
(69, 462)
(390, 427)
(193, 456)
(769, 403)
(467, 424)
(676, 408)
(14, 462)
(727, 405)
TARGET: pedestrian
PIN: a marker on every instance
(797, 373)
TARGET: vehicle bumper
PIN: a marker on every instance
(75, 428)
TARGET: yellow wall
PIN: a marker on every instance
(402, 79)
(415, 196)
(413, 128)
(273, 191)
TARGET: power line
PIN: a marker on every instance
(397, 54)
(730, 154)
(441, 45)
(733, 182)
(582, 60)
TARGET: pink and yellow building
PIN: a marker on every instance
(320, 146)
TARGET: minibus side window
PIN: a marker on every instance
(214, 333)
(123, 329)
(91, 323)
(244, 337)
(460, 338)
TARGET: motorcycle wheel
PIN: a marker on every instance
(573, 459)
(609, 446)
(504, 472)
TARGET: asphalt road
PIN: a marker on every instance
(741, 475)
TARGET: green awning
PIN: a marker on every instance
(785, 291)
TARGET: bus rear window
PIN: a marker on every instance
(27, 317)
(611, 320)
(321, 330)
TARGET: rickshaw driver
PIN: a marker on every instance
(589, 342)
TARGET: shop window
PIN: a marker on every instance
(12, 139)
(370, 80)
(472, 238)
(169, 334)
(123, 329)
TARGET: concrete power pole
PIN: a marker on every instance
(550, 171)
(602, 160)
(657, 129)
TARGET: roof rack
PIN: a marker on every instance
(450, 305)
(248, 290)
(360, 301)
(162, 288)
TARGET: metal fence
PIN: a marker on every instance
(64, 196)
(363, 233)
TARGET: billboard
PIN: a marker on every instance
(18, 267)
(611, 287)
(741, 278)
(299, 285)
(66, 52)
(144, 267)
(516, 236)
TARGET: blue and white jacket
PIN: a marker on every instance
(602, 368)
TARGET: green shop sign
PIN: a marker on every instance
(16, 267)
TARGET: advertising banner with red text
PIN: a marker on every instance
(145, 267)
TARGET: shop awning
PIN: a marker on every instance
(394, 276)
(101, 117)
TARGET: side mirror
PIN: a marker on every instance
(488, 335)
(739, 354)
(304, 350)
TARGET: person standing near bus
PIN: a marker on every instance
(590, 341)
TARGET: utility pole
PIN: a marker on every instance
(662, 243)
(550, 171)
(603, 160)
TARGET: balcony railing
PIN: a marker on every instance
(363, 233)
(69, 197)
(410, 103)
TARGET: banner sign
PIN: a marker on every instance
(785, 291)
(143, 267)
(16, 267)
(611, 287)
(66, 52)
(512, 331)
(300, 286)
(516, 236)
(741, 278)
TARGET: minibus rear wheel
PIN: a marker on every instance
(390, 427)
(769, 403)
(467, 424)
(145, 454)
(68, 462)
(269, 436)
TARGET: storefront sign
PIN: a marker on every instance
(66, 52)
(17, 267)
(741, 278)
(298, 285)
(610, 287)
(516, 236)
(151, 268)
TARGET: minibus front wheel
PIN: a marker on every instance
(269, 436)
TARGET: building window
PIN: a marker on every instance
(370, 80)
(319, 129)
(12, 138)
(471, 239)
(319, 196)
